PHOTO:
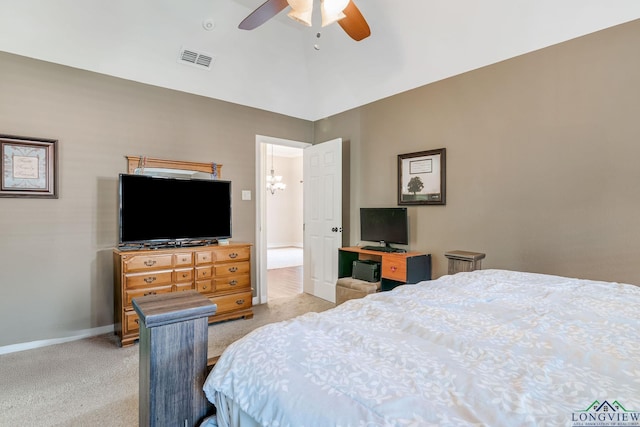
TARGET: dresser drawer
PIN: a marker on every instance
(203, 257)
(231, 269)
(183, 259)
(148, 262)
(394, 268)
(203, 273)
(185, 275)
(131, 322)
(231, 254)
(232, 283)
(148, 279)
(183, 287)
(232, 302)
(137, 293)
(204, 286)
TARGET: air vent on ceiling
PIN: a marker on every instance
(197, 59)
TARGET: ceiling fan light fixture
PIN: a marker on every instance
(274, 182)
(344, 11)
(332, 11)
(330, 19)
(301, 11)
(301, 17)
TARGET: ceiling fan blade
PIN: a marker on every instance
(354, 24)
(266, 11)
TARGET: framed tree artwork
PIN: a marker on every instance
(422, 178)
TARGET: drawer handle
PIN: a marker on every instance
(240, 301)
(137, 321)
(150, 262)
(204, 287)
(233, 269)
(394, 268)
(233, 255)
(185, 275)
(233, 282)
(150, 279)
(150, 293)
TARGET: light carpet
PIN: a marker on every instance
(95, 382)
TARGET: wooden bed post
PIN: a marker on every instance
(173, 358)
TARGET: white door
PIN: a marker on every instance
(322, 217)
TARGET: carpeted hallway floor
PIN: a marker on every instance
(95, 382)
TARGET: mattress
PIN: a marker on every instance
(490, 348)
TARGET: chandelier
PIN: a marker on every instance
(301, 11)
(274, 182)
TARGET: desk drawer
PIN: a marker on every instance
(394, 268)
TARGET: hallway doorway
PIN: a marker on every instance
(281, 213)
(284, 272)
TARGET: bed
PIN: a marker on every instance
(485, 348)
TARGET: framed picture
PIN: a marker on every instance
(29, 167)
(422, 178)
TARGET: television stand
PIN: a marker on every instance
(397, 268)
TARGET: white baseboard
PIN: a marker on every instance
(284, 245)
(78, 335)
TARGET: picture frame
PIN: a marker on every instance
(29, 167)
(422, 178)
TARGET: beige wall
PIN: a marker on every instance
(542, 159)
(542, 169)
(55, 255)
(284, 208)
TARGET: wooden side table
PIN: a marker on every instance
(173, 358)
(460, 261)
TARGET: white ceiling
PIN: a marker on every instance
(275, 67)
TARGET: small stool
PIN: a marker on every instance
(460, 261)
(348, 288)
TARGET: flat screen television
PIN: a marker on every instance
(384, 225)
(161, 211)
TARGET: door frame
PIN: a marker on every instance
(261, 210)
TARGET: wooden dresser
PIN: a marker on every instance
(221, 273)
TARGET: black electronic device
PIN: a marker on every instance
(387, 249)
(366, 270)
(156, 211)
(384, 225)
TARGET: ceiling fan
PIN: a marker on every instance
(345, 12)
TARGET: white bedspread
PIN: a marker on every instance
(487, 348)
